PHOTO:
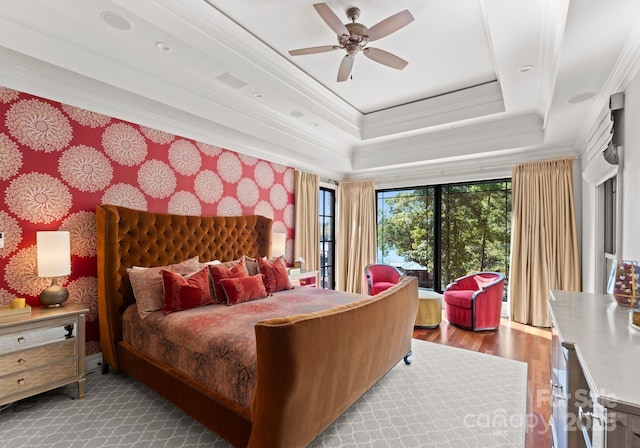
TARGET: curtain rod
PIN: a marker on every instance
(552, 160)
(328, 181)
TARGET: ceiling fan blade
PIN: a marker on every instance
(389, 25)
(313, 50)
(331, 19)
(384, 57)
(345, 68)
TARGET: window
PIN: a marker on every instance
(609, 203)
(476, 229)
(406, 232)
(439, 233)
(327, 223)
(610, 215)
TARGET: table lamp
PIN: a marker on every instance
(278, 241)
(54, 260)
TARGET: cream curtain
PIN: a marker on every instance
(307, 239)
(357, 234)
(544, 242)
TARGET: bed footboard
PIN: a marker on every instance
(312, 367)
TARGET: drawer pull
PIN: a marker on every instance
(21, 382)
(21, 361)
(20, 340)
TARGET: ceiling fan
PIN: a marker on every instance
(354, 37)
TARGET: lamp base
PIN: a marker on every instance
(54, 295)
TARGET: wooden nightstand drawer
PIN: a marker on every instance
(22, 340)
(33, 379)
(38, 356)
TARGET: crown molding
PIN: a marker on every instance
(31, 75)
(472, 102)
(551, 36)
(207, 20)
(498, 165)
(491, 135)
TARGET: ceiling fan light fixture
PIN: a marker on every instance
(352, 49)
(354, 37)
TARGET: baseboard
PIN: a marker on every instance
(93, 363)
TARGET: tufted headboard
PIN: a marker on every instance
(127, 237)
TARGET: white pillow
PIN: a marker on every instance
(148, 287)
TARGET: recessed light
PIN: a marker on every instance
(315, 124)
(297, 114)
(116, 20)
(581, 97)
(257, 95)
(525, 68)
(163, 46)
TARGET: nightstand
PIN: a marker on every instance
(42, 351)
(311, 279)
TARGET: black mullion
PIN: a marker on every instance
(437, 237)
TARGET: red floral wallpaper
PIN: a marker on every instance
(58, 162)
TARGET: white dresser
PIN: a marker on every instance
(42, 351)
(595, 372)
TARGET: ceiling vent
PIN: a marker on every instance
(231, 81)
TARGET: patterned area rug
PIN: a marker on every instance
(448, 397)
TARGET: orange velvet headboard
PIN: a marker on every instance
(127, 237)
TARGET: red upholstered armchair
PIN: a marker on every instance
(380, 277)
(474, 302)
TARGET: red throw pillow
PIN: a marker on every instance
(274, 275)
(183, 293)
(219, 272)
(243, 289)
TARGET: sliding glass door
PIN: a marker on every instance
(442, 232)
(406, 231)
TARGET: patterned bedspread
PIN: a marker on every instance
(215, 344)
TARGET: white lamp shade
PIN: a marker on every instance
(53, 253)
(278, 244)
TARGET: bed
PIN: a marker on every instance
(309, 367)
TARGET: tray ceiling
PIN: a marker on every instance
(487, 84)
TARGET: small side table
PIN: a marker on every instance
(429, 309)
(42, 351)
(310, 278)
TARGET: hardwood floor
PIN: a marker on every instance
(514, 341)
